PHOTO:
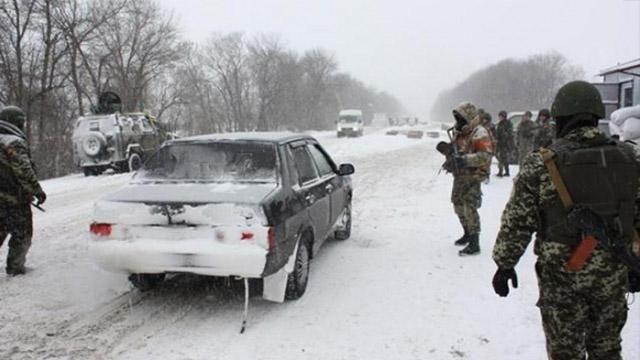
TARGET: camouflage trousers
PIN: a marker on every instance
(466, 197)
(503, 155)
(582, 313)
(16, 221)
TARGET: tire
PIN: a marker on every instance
(94, 143)
(135, 162)
(146, 282)
(340, 134)
(299, 278)
(344, 234)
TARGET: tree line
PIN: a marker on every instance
(511, 85)
(57, 56)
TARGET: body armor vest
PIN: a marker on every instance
(602, 176)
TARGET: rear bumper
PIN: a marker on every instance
(204, 256)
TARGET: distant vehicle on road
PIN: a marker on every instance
(380, 120)
(249, 205)
(115, 141)
(350, 123)
(111, 139)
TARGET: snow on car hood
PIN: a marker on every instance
(184, 204)
(193, 193)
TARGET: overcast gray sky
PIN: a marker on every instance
(414, 49)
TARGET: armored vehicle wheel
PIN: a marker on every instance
(93, 144)
(135, 162)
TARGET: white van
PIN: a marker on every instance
(350, 123)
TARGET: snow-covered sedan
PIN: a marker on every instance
(248, 205)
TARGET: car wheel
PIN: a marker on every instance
(146, 282)
(135, 162)
(345, 232)
(88, 171)
(299, 277)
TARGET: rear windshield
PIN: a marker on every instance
(213, 162)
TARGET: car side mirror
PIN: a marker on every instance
(346, 169)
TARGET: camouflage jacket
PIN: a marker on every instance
(476, 146)
(526, 132)
(18, 181)
(504, 135)
(545, 135)
(532, 190)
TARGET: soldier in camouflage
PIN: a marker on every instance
(525, 135)
(546, 129)
(505, 144)
(18, 188)
(583, 311)
(475, 149)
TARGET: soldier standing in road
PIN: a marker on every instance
(491, 128)
(583, 307)
(474, 158)
(18, 188)
(525, 136)
(546, 129)
(505, 145)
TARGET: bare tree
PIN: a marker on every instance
(318, 67)
(226, 61)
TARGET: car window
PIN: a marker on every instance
(146, 125)
(306, 168)
(324, 167)
(293, 171)
(213, 162)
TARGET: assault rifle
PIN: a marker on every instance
(450, 151)
(593, 225)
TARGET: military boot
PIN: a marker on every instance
(506, 172)
(464, 239)
(473, 247)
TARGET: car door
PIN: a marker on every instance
(333, 183)
(312, 191)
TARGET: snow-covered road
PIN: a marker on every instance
(395, 290)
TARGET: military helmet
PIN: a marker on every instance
(545, 113)
(464, 113)
(578, 97)
(13, 115)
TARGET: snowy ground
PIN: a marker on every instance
(395, 290)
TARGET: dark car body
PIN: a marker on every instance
(306, 202)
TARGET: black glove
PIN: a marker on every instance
(634, 282)
(460, 161)
(501, 281)
(41, 197)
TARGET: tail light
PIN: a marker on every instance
(271, 237)
(246, 235)
(100, 229)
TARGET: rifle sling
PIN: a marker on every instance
(556, 178)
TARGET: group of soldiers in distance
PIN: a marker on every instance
(513, 145)
(577, 190)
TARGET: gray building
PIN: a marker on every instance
(620, 86)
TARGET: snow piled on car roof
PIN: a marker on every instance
(247, 136)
